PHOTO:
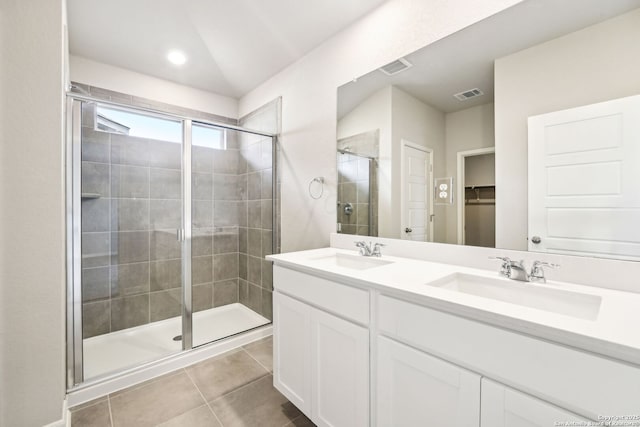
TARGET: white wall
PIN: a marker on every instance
(105, 76)
(417, 122)
(32, 226)
(588, 66)
(309, 91)
(468, 129)
(371, 114)
(480, 170)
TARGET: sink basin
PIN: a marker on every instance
(353, 262)
(574, 304)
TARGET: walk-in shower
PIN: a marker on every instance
(169, 218)
(357, 166)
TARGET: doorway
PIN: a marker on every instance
(476, 202)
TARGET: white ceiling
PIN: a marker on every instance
(232, 45)
(465, 59)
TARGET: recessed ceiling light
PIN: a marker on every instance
(176, 57)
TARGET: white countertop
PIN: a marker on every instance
(614, 333)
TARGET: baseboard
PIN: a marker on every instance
(65, 421)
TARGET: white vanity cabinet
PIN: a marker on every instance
(321, 357)
(504, 407)
(572, 381)
(416, 389)
(292, 350)
(349, 355)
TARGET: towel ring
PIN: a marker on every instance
(320, 180)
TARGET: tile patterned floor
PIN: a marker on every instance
(233, 389)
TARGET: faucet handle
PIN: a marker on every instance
(365, 250)
(537, 272)
(376, 251)
(537, 264)
(505, 268)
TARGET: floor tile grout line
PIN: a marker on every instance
(302, 415)
(110, 411)
(202, 396)
(242, 386)
(257, 361)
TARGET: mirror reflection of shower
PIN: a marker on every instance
(357, 160)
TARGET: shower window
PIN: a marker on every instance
(143, 287)
(209, 137)
(134, 124)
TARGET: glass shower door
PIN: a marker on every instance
(131, 251)
(170, 221)
(231, 231)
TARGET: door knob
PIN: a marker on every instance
(408, 230)
(536, 239)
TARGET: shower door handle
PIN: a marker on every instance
(180, 235)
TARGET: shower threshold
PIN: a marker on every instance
(130, 347)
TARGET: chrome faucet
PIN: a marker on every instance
(537, 272)
(368, 250)
(515, 270)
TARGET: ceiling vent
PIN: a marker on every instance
(468, 94)
(396, 66)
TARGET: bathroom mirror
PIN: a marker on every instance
(435, 146)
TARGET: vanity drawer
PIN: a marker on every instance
(581, 382)
(345, 301)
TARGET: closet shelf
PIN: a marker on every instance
(480, 201)
(480, 186)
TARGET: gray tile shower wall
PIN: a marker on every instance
(256, 238)
(353, 194)
(131, 257)
(357, 183)
(130, 212)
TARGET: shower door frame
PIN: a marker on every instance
(73, 163)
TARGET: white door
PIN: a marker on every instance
(416, 389)
(415, 193)
(292, 350)
(340, 372)
(584, 180)
(505, 407)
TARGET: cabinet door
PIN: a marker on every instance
(505, 407)
(416, 389)
(340, 372)
(292, 350)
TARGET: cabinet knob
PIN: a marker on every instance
(408, 230)
(536, 239)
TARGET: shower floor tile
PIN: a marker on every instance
(178, 398)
